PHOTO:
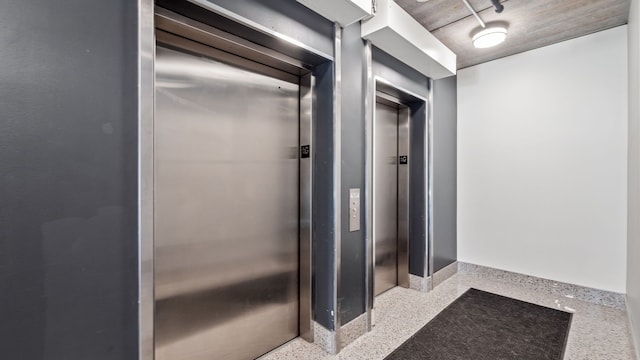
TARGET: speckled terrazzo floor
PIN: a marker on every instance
(597, 332)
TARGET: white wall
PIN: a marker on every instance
(542, 162)
(633, 249)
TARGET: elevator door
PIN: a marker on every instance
(386, 197)
(390, 193)
(226, 210)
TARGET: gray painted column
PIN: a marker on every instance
(352, 274)
(68, 183)
(444, 172)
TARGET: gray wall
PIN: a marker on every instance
(633, 223)
(444, 172)
(352, 275)
(398, 73)
(418, 179)
(68, 180)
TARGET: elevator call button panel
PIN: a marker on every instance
(354, 209)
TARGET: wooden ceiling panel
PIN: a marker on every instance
(532, 23)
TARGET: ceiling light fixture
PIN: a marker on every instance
(489, 37)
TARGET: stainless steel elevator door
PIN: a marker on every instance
(385, 184)
(226, 210)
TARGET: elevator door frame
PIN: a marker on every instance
(395, 94)
(176, 31)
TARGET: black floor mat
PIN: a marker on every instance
(485, 326)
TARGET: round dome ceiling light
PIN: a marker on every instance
(489, 37)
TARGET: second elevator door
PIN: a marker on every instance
(386, 197)
(226, 210)
(390, 194)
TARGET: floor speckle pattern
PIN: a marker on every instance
(597, 332)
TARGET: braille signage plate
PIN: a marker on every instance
(304, 151)
(404, 159)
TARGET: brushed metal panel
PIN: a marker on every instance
(146, 77)
(171, 40)
(369, 111)
(385, 193)
(171, 22)
(403, 196)
(226, 210)
(337, 180)
(307, 100)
